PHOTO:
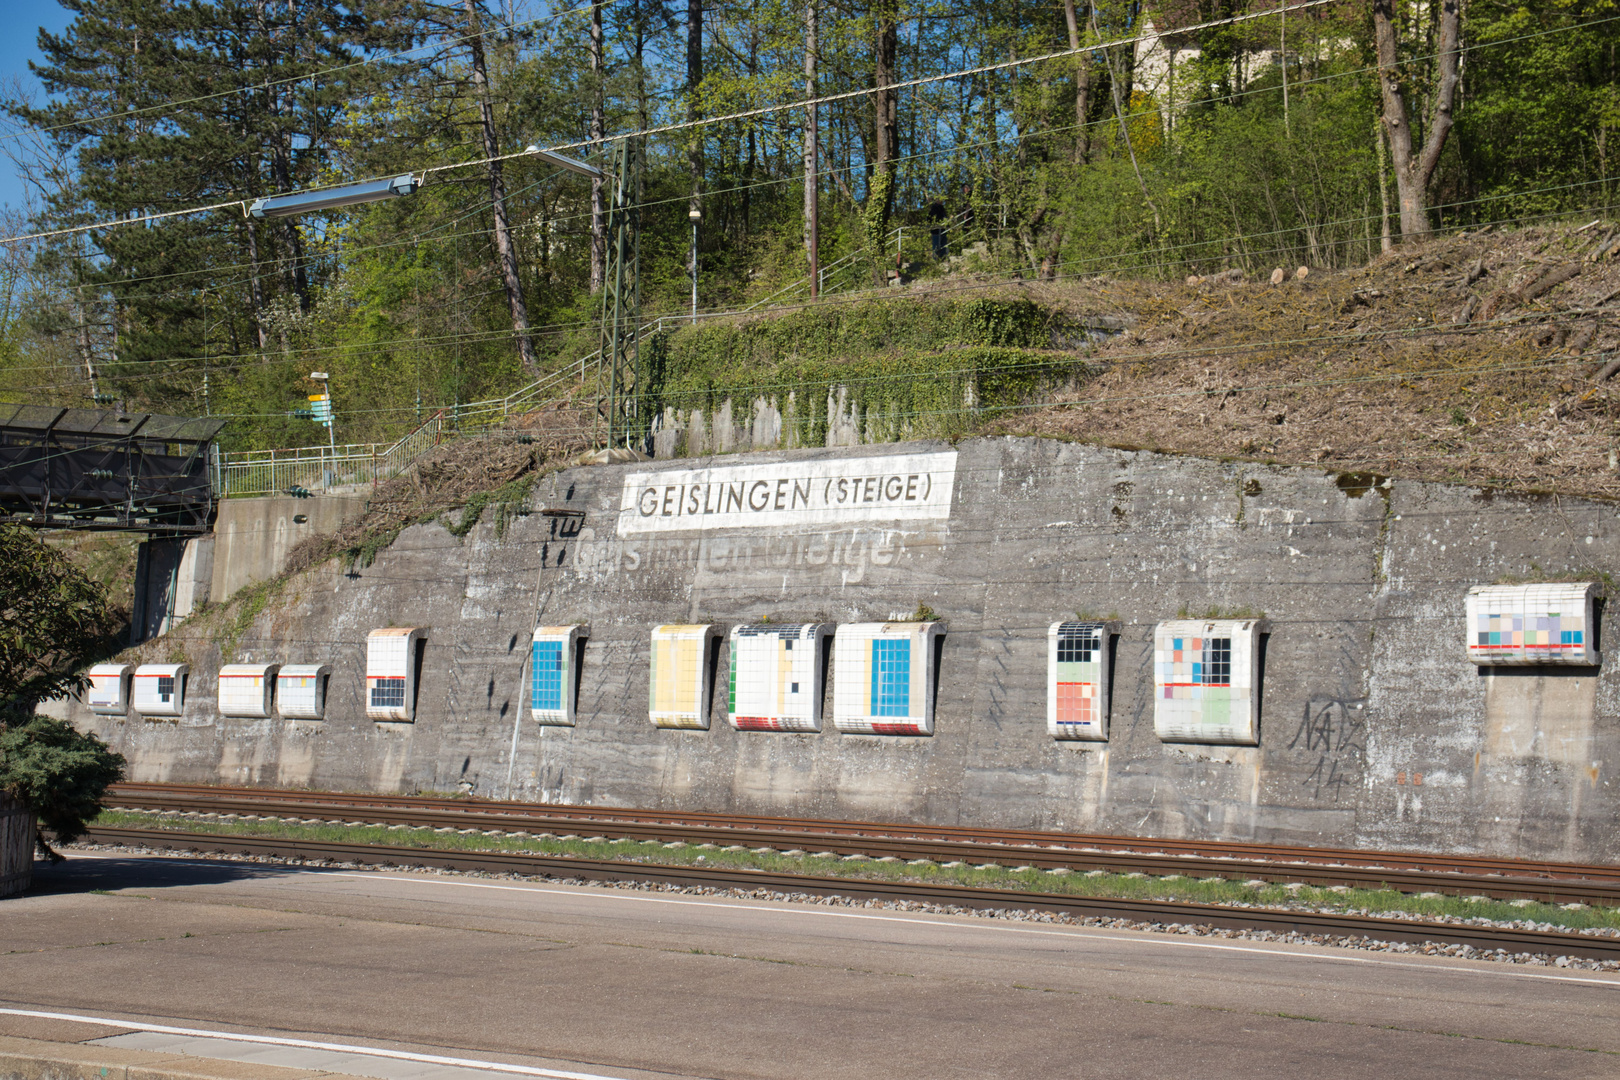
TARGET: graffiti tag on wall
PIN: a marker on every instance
(1335, 730)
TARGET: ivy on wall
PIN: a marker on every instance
(895, 368)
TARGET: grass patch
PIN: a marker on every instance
(1243, 612)
(1096, 884)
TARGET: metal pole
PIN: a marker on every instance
(694, 270)
(331, 421)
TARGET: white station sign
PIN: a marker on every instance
(896, 487)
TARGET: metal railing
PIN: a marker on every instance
(269, 472)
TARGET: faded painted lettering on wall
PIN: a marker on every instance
(895, 487)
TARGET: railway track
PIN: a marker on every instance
(1484, 938)
(1504, 879)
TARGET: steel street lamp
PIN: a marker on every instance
(303, 202)
(551, 157)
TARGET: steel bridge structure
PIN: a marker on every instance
(93, 469)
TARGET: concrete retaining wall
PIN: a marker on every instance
(253, 536)
(1375, 729)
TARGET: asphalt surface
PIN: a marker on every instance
(633, 984)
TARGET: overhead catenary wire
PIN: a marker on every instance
(1011, 276)
(957, 148)
(744, 114)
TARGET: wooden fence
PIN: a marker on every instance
(16, 846)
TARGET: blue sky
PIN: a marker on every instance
(19, 34)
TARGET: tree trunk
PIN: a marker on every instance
(694, 79)
(84, 346)
(1385, 241)
(1125, 133)
(886, 133)
(598, 130)
(505, 252)
(255, 286)
(811, 150)
(1415, 165)
(1082, 86)
(643, 107)
(298, 277)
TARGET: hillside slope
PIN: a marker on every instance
(1481, 358)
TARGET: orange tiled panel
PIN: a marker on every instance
(1077, 679)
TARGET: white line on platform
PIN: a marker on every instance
(310, 1044)
(1170, 941)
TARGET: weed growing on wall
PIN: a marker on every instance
(892, 368)
(509, 500)
(1536, 576)
(247, 605)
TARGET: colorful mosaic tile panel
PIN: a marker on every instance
(1204, 674)
(678, 684)
(1077, 680)
(391, 673)
(1550, 623)
(775, 677)
(883, 678)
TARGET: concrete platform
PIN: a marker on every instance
(37, 1059)
(640, 984)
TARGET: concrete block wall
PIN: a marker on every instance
(762, 424)
(1375, 730)
(253, 536)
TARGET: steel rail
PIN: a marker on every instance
(1047, 851)
(1486, 938)
(1433, 862)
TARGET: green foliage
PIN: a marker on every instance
(372, 544)
(57, 772)
(1540, 110)
(894, 367)
(402, 301)
(53, 620)
(248, 604)
(845, 332)
(509, 500)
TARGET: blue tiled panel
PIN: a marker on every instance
(891, 678)
(546, 691)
